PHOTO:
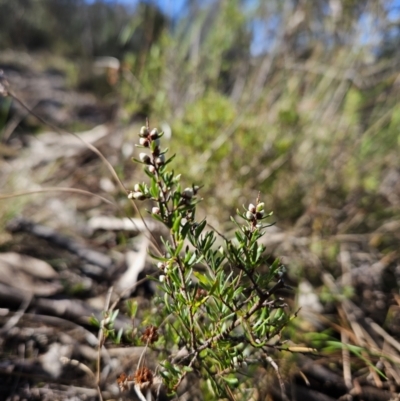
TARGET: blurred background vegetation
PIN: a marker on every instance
(296, 99)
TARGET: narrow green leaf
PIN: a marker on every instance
(199, 229)
(176, 224)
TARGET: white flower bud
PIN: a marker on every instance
(160, 160)
(154, 133)
(162, 278)
(250, 216)
(252, 208)
(152, 169)
(145, 158)
(139, 196)
(260, 207)
(260, 214)
(143, 132)
(136, 188)
(144, 142)
(187, 193)
(155, 210)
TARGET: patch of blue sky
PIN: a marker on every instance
(264, 34)
(173, 8)
(264, 31)
(393, 10)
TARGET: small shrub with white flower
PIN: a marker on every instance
(220, 309)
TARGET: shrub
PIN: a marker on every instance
(219, 308)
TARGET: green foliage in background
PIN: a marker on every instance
(294, 100)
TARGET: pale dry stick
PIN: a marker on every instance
(74, 362)
(346, 281)
(139, 393)
(344, 338)
(351, 335)
(281, 383)
(13, 321)
(387, 337)
(387, 349)
(371, 344)
(361, 337)
(137, 385)
(13, 124)
(56, 189)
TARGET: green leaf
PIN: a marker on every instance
(170, 159)
(179, 248)
(154, 189)
(193, 259)
(199, 229)
(231, 380)
(132, 307)
(119, 336)
(240, 237)
(261, 318)
(185, 229)
(202, 278)
(114, 315)
(177, 223)
(214, 287)
(94, 321)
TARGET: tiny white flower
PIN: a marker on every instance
(144, 157)
(188, 193)
(252, 208)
